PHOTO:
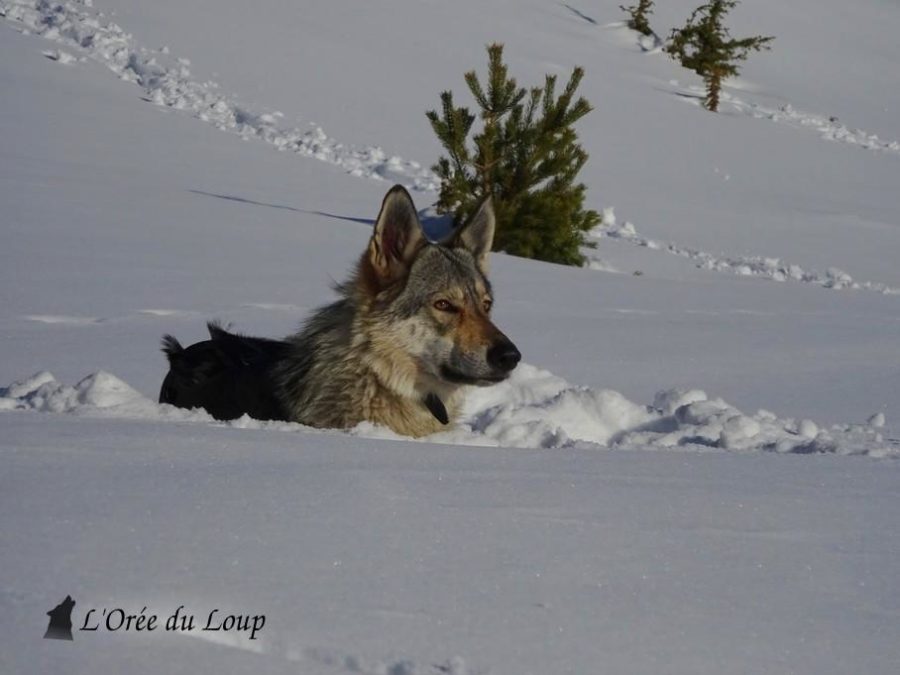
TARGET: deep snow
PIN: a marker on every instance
(533, 409)
(713, 552)
(398, 557)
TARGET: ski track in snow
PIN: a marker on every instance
(167, 82)
(775, 269)
(533, 409)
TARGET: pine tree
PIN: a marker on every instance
(639, 13)
(705, 46)
(526, 155)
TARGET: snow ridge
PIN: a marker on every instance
(775, 269)
(533, 409)
(167, 82)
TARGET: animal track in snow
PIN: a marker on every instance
(772, 268)
(167, 82)
(829, 128)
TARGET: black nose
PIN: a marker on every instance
(503, 356)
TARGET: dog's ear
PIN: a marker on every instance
(477, 235)
(397, 237)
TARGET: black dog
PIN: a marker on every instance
(229, 375)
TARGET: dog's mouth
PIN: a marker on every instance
(457, 377)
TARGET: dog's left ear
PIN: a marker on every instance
(477, 235)
(397, 237)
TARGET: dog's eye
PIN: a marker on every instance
(487, 305)
(444, 306)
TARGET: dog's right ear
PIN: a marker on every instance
(477, 234)
(397, 237)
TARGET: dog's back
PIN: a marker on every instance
(229, 375)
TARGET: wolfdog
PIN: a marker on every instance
(411, 329)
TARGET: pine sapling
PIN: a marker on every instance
(705, 46)
(526, 155)
(639, 16)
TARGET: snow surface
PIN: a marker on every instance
(533, 409)
(641, 513)
(751, 266)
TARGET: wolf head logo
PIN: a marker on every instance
(60, 627)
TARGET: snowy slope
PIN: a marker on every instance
(741, 354)
(123, 220)
(399, 558)
(717, 183)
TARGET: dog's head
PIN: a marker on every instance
(433, 301)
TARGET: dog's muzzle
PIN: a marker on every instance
(503, 356)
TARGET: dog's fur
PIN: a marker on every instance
(411, 329)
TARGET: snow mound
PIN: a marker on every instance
(167, 82)
(775, 269)
(59, 56)
(98, 391)
(536, 409)
(533, 409)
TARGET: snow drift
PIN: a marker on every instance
(533, 409)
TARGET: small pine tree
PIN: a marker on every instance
(639, 14)
(705, 46)
(526, 156)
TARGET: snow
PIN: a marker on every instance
(666, 485)
(533, 409)
(167, 82)
(750, 266)
(366, 555)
